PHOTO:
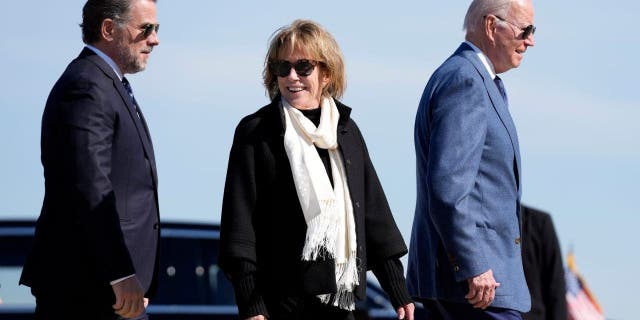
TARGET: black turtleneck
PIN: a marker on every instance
(314, 116)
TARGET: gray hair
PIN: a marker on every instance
(478, 9)
(95, 11)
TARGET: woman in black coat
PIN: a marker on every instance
(304, 215)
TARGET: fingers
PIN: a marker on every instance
(483, 299)
(476, 296)
(129, 295)
(405, 312)
(482, 290)
(472, 292)
(119, 303)
(410, 308)
(126, 308)
(131, 308)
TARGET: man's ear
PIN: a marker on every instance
(107, 29)
(490, 24)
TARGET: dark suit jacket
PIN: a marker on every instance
(262, 221)
(99, 220)
(468, 187)
(543, 266)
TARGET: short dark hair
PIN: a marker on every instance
(95, 11)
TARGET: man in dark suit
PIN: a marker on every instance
(464, 258)
(543, 266)
(96, 240)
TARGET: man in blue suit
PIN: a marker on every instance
(465, 259)
(94, 255)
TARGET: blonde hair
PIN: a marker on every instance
(310, 38)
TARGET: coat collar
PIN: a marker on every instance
(276, 111)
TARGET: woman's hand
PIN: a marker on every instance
(406, 312)
(258, 317)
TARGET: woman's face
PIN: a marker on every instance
(302, 92)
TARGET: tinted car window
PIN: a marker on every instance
(189, 273)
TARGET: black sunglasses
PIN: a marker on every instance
(303, 67)
(526, 31)
(148, 28)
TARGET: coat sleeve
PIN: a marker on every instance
(237, 256)
(88, 124)
(458, 127)
(390, 274)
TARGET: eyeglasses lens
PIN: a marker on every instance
(303, 68)
(528, 31)
(149, 28)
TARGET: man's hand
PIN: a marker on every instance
(258, 317)
(482, 290)
(406, 312)
(129, 298)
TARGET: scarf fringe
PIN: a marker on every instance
(345, 300)
(347, 277)
(319, 240)
(347, 273)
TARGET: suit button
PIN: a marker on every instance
(348, 162)
(518, 240)
(456, 268)
(357, 203)
(156, 226)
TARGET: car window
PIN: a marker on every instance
(189, 273)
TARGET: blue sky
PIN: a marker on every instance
(575, 101)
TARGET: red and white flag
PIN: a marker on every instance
(581, 303)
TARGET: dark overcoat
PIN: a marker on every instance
(262, 221)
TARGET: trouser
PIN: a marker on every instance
(445, 310)
(305, 308)
(69, 306)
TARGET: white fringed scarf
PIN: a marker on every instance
(328, 212)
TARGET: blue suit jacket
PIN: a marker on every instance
(99, 220)
(468, 187)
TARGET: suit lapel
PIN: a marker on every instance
(140, 123)
(499, 105)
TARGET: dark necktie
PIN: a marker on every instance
(500, 86)
(127, 86)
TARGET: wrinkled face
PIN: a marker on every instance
(509, 46)
(132, 47)
(302, 92)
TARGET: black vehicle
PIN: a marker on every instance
(191, 285)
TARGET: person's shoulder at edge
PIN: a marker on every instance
(250, 124)
(536, 216)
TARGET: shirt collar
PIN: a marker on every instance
(108, 60)
(485, 61)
